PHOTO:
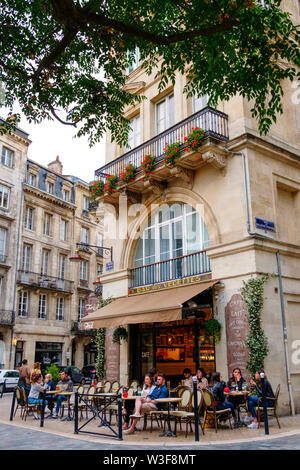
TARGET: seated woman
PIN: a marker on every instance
(218, 392)
(202, 382)
(148, 388)
(34, 394)
(253, 400)
(188, 378)
(49, 386)
(236, 382)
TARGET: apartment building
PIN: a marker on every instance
(224, 213)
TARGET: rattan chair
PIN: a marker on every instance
(27, 407)
(188, 417)
(183, 407)
(210, 410)
(20, 401)
(82, 406)
(115, 386)
(270, 410)
(106, 387)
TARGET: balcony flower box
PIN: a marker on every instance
(147, 165)
(127, 176)
(96, 190)
(110, 186)
(171, 154)
(194, 140)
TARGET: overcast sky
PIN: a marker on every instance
(51, 138)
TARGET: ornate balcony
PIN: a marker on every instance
(214, 123)
(44, 281)
(7, 317)
(169, 270)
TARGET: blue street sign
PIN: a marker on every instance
(109, 266)
(265, 224)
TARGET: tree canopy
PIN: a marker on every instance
(66, 59)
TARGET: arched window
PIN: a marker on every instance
(175, 231)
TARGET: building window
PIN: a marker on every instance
(165, 114)
(81, 309)
(23, 303)
(50, 188)
(7, 157)
(83, 270)
(84, 235)
(66, 195)
(60, 305)
(99, 269)
(2, 244)
(63, 230)
(26, 258)
(32, 179)
(62, 266)
(45, 262)
(133, 59)
(199, 102)
(43, 306)
(134, 134)
(47, 224)
(4, 197)
(85, 203)
(29, 218)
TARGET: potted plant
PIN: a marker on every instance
(171, 153)
(96, 189)
(194, 139)
(128, 174)
(213, 328)
(120, 333)
(109, 188)
(147, 165)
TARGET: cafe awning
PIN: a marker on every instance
(162, 306)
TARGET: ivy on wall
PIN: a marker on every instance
(100, 342)
(257, 342)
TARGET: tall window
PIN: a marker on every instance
(7, 157)
(165, 114)
(99, 269)
(83, 270)
(199, 102)
(43, 306)
(50, 188)
(81, 309)
(32, 179)
(47, 224)
(23, 303)
(4, 197)
(84, 235)
(2, 243)
(63, 230)
(26, 258)
(62, 266)
(133, 59)
(85, 203)
(134, 135)
(66, 195)
(60, 305)
(29, 218)
(45, 262)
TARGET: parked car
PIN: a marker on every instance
(76, 376)
(10, 377)
(89, 373)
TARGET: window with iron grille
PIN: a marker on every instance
(43, 306)
(23, 303)
(60, 306)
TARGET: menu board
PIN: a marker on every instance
(112, 356)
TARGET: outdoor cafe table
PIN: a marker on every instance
(168, 400)
(237, 393)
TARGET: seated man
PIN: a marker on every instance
(145, 405)
(65, 385)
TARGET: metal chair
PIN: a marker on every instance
(210, 409)
(106, 387)
(115, 386)
(272, 409)
(27, 407)
(188, 417)
(20, 401)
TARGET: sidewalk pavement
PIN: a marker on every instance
(224, 438)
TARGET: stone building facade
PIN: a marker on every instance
(234, 204)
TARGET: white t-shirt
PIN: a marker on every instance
(147, 390)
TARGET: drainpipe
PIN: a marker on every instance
(258, 235)
(16, 270)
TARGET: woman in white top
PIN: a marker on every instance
(148, 388)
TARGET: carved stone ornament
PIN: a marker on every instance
(132, 197)
(158, 188)
(215, 159)
(183, 173)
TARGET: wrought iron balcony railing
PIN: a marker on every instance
(44, 281)
(7, 317)
(171, 269)
(214, 123)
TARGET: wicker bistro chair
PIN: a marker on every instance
(113, 409)
(27, 408)
(106, 387)
(81, 405)
(20, 402)
(183, 407)
(271, 410)
(188, 417)
(134, 384)
(210, 409)
(115, 386)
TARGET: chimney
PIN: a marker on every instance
(56, 166)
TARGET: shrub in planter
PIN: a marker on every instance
(109, 188)
(213, 328)
(54, 371)
(194, 139)
(128, 174)
(96, 189)
(171, 153)
(147, 165)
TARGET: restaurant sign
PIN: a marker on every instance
(169, 284)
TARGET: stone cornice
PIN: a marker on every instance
(49, 197)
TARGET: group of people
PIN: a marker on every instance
(35, 385)
(155, 387)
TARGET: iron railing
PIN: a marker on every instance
(214, 123)
(7, 317)
(170, 269)
(46, 282)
